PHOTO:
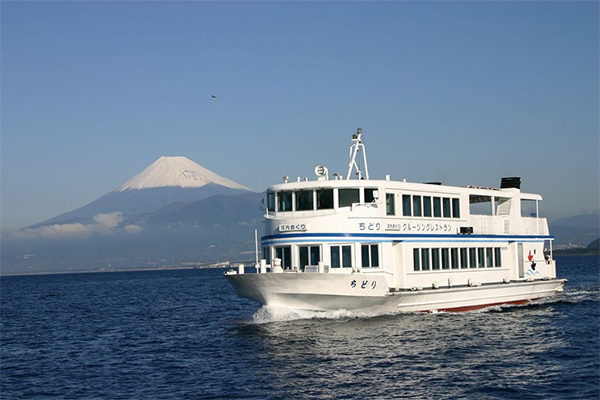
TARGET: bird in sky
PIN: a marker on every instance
(213, 97)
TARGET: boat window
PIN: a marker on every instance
(406, 207)
(489, 257)
(266, 252)
(454, 257)
(445, 258)
(480, 205)
(416, 206)
(416, 260)
(497, 257)
(435, 258)
(480, 257)
(437, 207)
(304, 200)
(309, 255)
(464, 259)
(502, 205)
(346, 256)
(425, 259)
(347, 197)
(270, 201)
(335, 256)
(446, 204)
(370, 255)
(285, 254)
(528, 208)
(284, 201)
(455, 208)
(370, 195)
(427, 206)
(324, 199)
(390, 207)
(473, 258)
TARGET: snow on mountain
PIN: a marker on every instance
(168, 180)
(176, 171)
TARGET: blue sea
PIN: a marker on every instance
(184, 334)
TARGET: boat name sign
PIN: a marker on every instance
(419, 227)
(292, 227)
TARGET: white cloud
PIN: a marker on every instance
(103, 224)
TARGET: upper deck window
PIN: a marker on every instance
(390, 206)
(284, 201)
(324, 199)
(347, 197)
(427, 206)
(480, 205)
(270, 201)
(370, 195)
(304, 200)
(416, 206)
(406, 205)
(529, 208)
(446, 207)
(455, 208)
(437, 207)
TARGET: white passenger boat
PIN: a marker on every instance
(353, 243)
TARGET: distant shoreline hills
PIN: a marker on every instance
(593, 249)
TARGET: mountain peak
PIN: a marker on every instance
(176, 171)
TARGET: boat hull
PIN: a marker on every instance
(369, 293)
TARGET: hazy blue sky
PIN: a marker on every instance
(463, 92)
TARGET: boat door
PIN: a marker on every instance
(520, 258)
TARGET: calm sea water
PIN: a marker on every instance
(186, 335)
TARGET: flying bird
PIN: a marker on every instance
(213, 97)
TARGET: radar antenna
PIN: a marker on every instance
(357, 145)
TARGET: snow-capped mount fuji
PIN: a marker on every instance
(172, 179)
(176, 171)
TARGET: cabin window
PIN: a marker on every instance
(309, 255)
(464, 259)
(390, 206)
(480, 205)
(437, 207)
(266, 252)
(324, 199)
(473, 258)
(435, 259)
(270, 201)
(502, 205)
(370, 255)
(454, 257)
(284, 201)
(497, 257)
(427, 206)
(416, 206)
(489, 257)
(370, 195)
(425, 259)
(455, 208)
(341, 256)
(406, 207)
(348, 196)
(445, 258)
(416, 260)
(285, 254)
(529, 208)
(446, 207)
(481, 257)
(304, 200)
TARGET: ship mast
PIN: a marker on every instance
(357, 146)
